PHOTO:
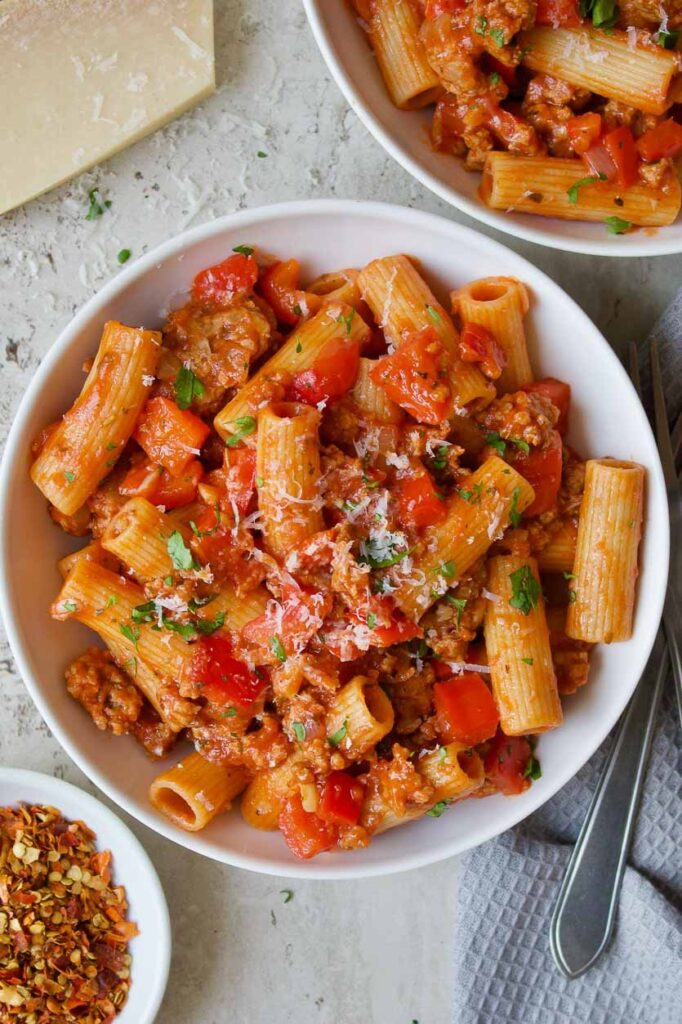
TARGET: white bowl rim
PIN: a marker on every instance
(172, 247)
(658, 244)
(92, 808)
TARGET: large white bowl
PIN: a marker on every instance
(606, 419)
(405, 135)
(132, 868)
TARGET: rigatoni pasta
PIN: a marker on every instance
(333, 597)
(518, 649)
(605, 569)
(394, 33)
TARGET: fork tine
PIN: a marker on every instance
(665, 448)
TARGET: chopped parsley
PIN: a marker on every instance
(130, 633)
(277, 648)
(604, 12)
(187, 387)
(520, 444)
(299, 347)
(261, 155)
(124, 255)
(207, 533)
(496, 442)
(180, 554)
(245, 425)
(339, 735)
(68, 606)
(447, 569)
(112, 445)
(288, 894)
(143, 612)
(459, 603)
(497, 35)
(514, 514)
(168, 580)
(481, 26)
(245, 250)
(572, 192)
(186, 630)
(527, 661)
(572, 597)
(617, 226)
(442, 754)
(532, 770)
(438, 809)
(381, 552)
(97, 205)
(494, 78)
(69, 476)
(433, 313)
(298, 311)
(441, 459)
(299, 731)
(347, 320)
(667, 38)
(260, 481)
(568, 575)
(371, 620)
(525, 590)
(230, 713)
(207, 626)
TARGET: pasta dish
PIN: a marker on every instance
(569, 108)
(337, 541)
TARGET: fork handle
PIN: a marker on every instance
(584, 916)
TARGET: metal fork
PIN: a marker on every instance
(583, 919)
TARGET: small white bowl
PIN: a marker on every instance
(607, 419)
(405, 136)
(132, 868)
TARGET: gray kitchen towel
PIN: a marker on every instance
(504, 972)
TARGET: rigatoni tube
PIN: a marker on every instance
(605, 569)
(288, 475)
(194, 791)
(517, 645)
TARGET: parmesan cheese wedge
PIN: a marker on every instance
(82, 79)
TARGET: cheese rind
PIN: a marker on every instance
(82, 79)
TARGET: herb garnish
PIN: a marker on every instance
(572, 192)
(438, 808)
(299, 731)
(180, 554)
(617, 226)
(124, 255)
(532, 770)
(381, 553)
(514, 514)
(339, 735)
(187, 387)
(459, 603)
(433, 313)
(495, 441)
(245, 425)
(130, 633)
(245, 250)
(347, 320)
(277, 648)
(97, 205)
(525, 590)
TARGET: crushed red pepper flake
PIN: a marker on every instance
(63, 928)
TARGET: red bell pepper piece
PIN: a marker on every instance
(341, 801)
(170, 436)
(329, 378)
(414, 376)
(478, 345)
(465, 708)
(240, 477)
(222, 283)
(620, 145)
(417, 502)
(558, 13)
(305, 833)
(148, 480)
(279, 285)
(506, 762)
(664, 139)
(584, 131)
(542, 468)
(225, 679)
